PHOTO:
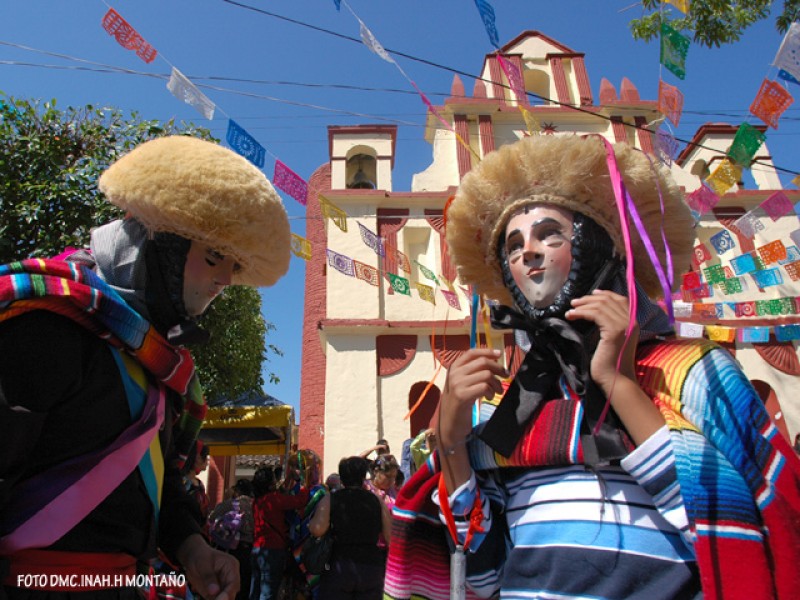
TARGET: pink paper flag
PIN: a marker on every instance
(452, 299)
(777, 205)
(702, 200)
(771, 102)
(514, 78)
(290, 182)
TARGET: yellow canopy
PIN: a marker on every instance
(229, 431)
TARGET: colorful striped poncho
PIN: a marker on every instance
(739, 479)
(76, 292)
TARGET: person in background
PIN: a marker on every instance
(620, 462)
(194, 485)
(271, 537)
(380, 448)
(242, 493)
(99, 402)
(356, 518)
(384, 479)
(333, 482)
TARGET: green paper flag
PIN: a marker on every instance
(427, 273)
(714, 274)
(674, 47)
(732, 285)
(399, 284)
(745, 145)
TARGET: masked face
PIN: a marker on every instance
(537, 243)
(206, 274)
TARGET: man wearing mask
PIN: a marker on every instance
(99, 402)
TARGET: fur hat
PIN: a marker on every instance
(206, 193)
(570, 172)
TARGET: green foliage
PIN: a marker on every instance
(50, 161)
(237, 347)
(712, 22)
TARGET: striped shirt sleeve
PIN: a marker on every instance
(652, 465)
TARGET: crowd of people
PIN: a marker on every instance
(265, 521)
(618, 461)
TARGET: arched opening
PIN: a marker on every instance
(422, 416)
(361, 172)
(537, 82)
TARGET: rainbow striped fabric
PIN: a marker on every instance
(739, 479)
(75, 291)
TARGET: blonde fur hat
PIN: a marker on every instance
(205, 193)
(569, 172)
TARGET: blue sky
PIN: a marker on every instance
(285, 82)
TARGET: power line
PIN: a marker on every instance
(466, 74)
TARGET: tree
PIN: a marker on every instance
(226, 366)
(50, 161)
(713, 22)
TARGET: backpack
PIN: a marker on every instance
(225, 530)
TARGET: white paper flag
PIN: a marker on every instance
(690, 330)
(371, 42)
(788, 57)
(185, 91)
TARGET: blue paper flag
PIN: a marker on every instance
(744, 263)
(245, 144)
(792, 255)
(754, 335)
(787, 333)
(487, 14)
(722, 241)
(786, 76)
(767, 278)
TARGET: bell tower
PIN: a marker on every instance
(362, 156)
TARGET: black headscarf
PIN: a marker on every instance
(559, 349)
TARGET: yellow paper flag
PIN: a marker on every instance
(333, 212)
(718, 333)
(426, 292)
(301, 247)
(530, 121)
(681, 5)
(724, 177)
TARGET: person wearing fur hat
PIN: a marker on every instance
(619, 462)
(99, 402)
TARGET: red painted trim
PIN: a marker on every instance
(584, 88)
(394, 353)
(645, 137)
(608, 93)
(495, 74)
(313, 364)
(620, 133)
(537, 34)
(390, 221)
(560, 78)
(462, 154)
(435, 219)
(486, 133)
